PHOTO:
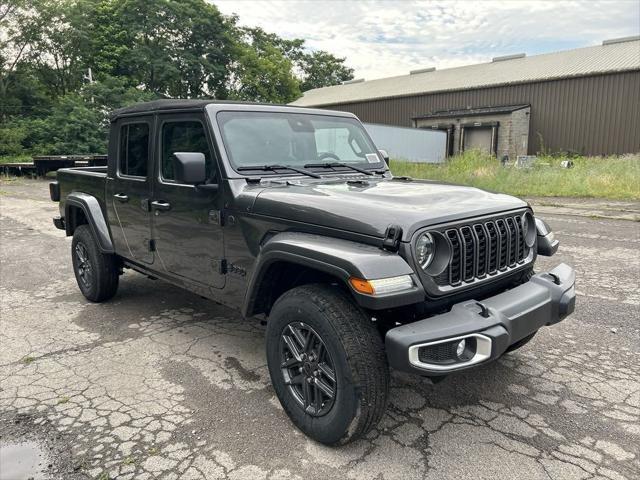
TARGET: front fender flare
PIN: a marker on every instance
(93, 213)
(337, 257)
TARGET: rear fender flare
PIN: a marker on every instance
(95, 218)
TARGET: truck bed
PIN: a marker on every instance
(89, 180)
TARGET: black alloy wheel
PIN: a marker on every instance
(96, 272)
(327, 363)
(83, 265)
(307, 369)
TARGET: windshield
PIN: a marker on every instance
(294, 139)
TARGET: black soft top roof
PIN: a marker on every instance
(174, 104)
(199, 105)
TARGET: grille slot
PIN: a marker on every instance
(483, 249)
(504, 244)
(521, 245)
(481, 241)
(513, 241)
(468, 246)
(494, 246)
(455, 265)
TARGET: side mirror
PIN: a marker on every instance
(190, 167)
(385, 156)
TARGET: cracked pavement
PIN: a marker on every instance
(159, 383)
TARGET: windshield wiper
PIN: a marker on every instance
(338, 164)
(273, 168)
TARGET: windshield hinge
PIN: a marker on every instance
(392, 238)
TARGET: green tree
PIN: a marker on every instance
(322, 69)
(264, 76)
(11, 138)
(172, 48)
(79, 122)
(136, 50)
(15, 36)
(56, 42)
(312, 69)
(73, 127)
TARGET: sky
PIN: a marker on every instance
(383, 38)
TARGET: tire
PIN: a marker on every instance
(96, 273)
(521, 343)
(350, 347)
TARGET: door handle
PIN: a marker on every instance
(121, 197)
(160, 205)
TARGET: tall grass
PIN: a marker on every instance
(615, 177)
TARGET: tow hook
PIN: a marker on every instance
(554, 277)
(484, 311)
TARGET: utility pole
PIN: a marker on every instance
(89, 77)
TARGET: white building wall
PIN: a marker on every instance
(410, 144)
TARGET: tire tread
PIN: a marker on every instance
(364, 348)
(106, 266)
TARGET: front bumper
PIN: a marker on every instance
(491, 325)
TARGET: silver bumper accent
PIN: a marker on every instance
(483, 351)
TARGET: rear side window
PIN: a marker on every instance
(134, 149)
(183, 136)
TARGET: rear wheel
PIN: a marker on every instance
(327, 364)
(96, 272)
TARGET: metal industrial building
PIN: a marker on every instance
(585, 100)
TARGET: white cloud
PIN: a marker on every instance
(382, 38)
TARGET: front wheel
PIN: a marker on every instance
(96, 272)
(327, 364)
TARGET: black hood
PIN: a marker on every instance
(369, 208)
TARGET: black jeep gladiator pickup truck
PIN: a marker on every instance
(292, 214)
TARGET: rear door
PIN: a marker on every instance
(186, 221)
(128, 189)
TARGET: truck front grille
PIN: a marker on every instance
(483, 249)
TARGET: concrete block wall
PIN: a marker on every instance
(519, 133)
(513, 130)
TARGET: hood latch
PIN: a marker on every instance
(392, 238)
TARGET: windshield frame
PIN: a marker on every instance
(230, 169)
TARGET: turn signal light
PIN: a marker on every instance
(361, 286)
(381, 286)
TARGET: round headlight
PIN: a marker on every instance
(425, 249)
(529, 229)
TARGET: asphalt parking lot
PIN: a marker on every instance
(159, 383)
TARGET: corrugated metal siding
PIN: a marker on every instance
(595, 115)
(579, 62)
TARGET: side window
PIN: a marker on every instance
(187, 136)
(134, 149)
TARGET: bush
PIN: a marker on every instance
(616, 177)
(11, 138)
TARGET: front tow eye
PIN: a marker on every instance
(484, 311)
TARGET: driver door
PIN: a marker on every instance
(186, 220)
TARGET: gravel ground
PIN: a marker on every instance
(159, 383)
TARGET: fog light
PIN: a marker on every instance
(460, 348)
